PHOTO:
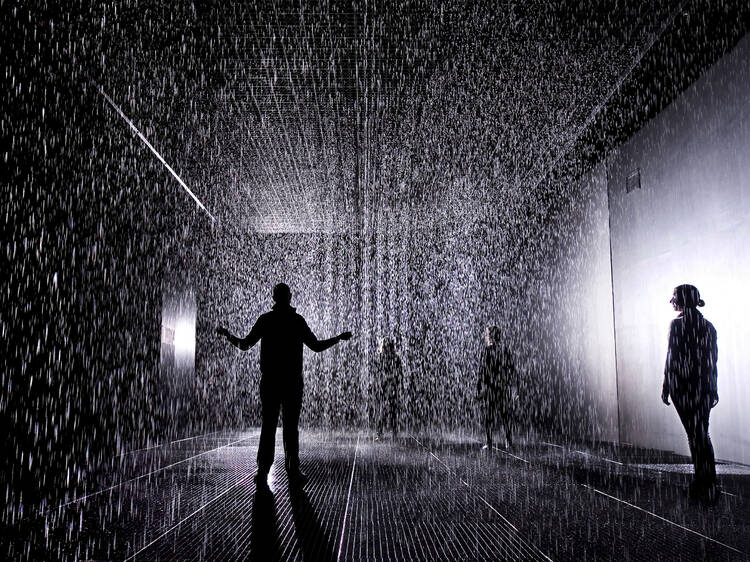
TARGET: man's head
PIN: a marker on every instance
(387, 346)
(686, 296)
(282, 294)
(492, 334)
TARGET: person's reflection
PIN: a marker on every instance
(310, 535)
(265, 534)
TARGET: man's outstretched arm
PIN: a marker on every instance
(242, 343)
(321, 345)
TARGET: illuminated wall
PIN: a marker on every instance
(689, 222)
(577, 298)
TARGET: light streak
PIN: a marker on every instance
(348, 498)
(510, 454)
(156, 153)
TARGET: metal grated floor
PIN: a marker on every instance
(413, 498)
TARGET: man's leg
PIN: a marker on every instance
(290, 411)
(383, 407)
(394, 413)
(380, 409)
(508, 425)
(270, 401)
(489, 422)
(372, 410)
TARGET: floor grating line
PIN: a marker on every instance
(524, 545)
(669, 521)
(651, 513)
(160, 469)
(503, 451)
(348, 499)
(418, 498)
(158, 445)
(177, 525)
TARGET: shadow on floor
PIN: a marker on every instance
(265, 533)
(311, 537)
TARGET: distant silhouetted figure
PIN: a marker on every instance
(281, 332)
(496, 386)
(690, 379)
(385, 390)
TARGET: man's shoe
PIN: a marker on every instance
(297, 478)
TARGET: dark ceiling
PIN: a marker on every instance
(320, 116)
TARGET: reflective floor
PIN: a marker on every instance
(416, 497)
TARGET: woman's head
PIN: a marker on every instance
(686, 296)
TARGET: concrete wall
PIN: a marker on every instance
(688, 223)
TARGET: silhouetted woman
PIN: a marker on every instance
(690, 379)
(496, 386)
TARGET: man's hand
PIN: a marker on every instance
(345, 335)
(222, 331)
(665, 397)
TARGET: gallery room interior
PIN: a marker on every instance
(445, 240)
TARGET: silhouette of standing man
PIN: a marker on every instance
(497, 386)
(690, 379)
(281, 332)
(385, 391)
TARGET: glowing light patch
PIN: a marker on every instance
(272, 479)
(184, 338)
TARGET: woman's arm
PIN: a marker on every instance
(671, 342)
(713, 387)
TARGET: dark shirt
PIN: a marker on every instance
(389, 369)
(497, 375)
(281, 333)
(691, 355)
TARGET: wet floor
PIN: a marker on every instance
(416, 497)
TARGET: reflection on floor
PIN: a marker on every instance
(412, 498)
